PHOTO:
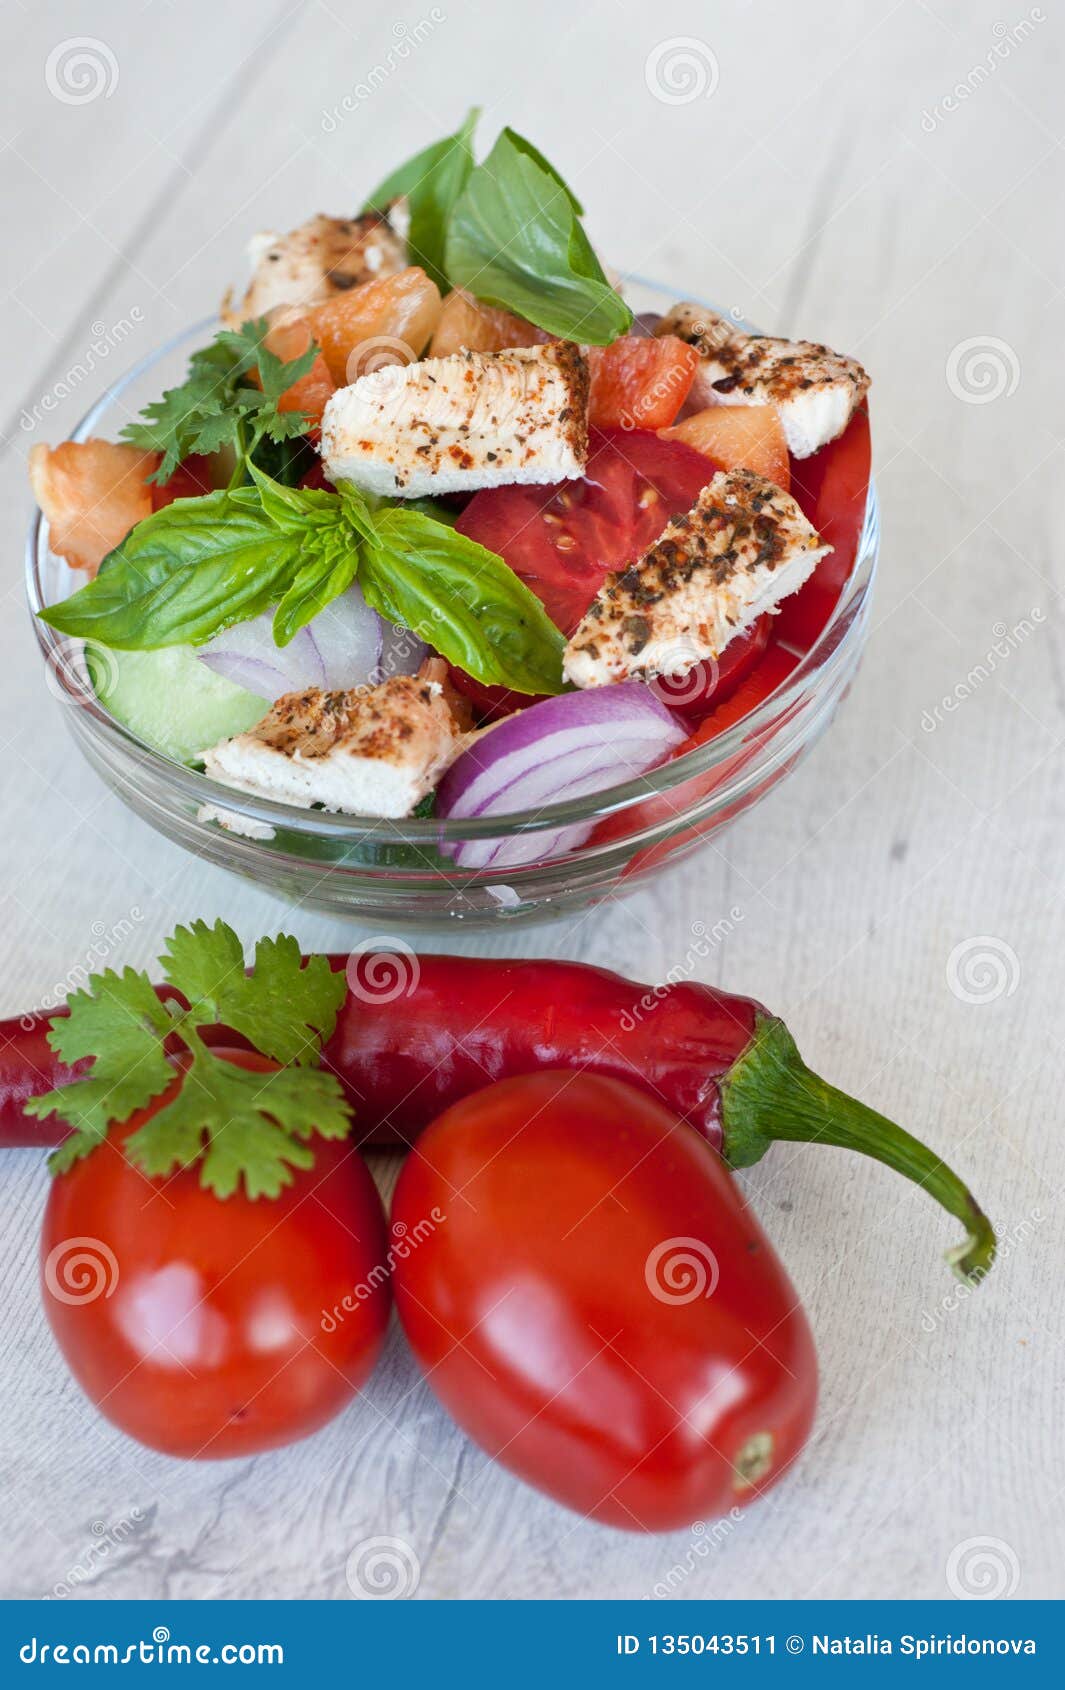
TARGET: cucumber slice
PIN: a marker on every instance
(171, 700)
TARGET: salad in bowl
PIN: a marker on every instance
(440, 559)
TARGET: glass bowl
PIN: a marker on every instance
(389, 873)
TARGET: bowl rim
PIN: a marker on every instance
(826, 652)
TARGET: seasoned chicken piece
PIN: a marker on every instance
(814, 390)
(742, 547)
(369, 751)
(477, 419)
(323, 257)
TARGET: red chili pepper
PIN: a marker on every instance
(408, 1048)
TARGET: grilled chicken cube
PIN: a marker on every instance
(742, 547)
(446, 425)
(814, 390)
(368, 751)
(323, 257)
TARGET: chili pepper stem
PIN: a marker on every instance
(770, 1093)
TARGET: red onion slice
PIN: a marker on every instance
(346, 645)
(562, 748)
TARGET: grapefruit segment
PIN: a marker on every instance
(386, 321)
(465, 322)
(639, 383)
(738, 437)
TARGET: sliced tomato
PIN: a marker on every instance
(639, 383)
(708, 685)
(832, 488)
(564, 539)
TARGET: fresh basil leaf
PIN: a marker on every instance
(327, 564)
(514, 241)
(192, 569)
(295, 509)
(431, 182)
(463, 600)
(526, 147)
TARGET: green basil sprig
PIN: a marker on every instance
(509, 232)
(200, 565)
(431, 182)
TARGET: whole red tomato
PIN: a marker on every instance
(600, 1310)
(205, 1327)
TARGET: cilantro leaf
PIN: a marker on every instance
(286, 1009)
(244, 1125)
(235, 380)
(247, 1125)
(200, 961)
(514, 240)
(120, 1019)
(430, 182)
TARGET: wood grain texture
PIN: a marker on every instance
(824, 189)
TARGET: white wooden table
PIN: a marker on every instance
(817, 171)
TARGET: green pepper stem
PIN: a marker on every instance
(770, 1093)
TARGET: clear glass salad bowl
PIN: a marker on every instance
(396, 872)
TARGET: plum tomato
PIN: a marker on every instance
(210, 1328)
(600, 1310)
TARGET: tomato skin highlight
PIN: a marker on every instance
(543, 1311)
(214, 1338)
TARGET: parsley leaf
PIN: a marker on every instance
(283, 1007)
(118, 1018)
(430, 182)
(242, 1125)
(233, 384)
